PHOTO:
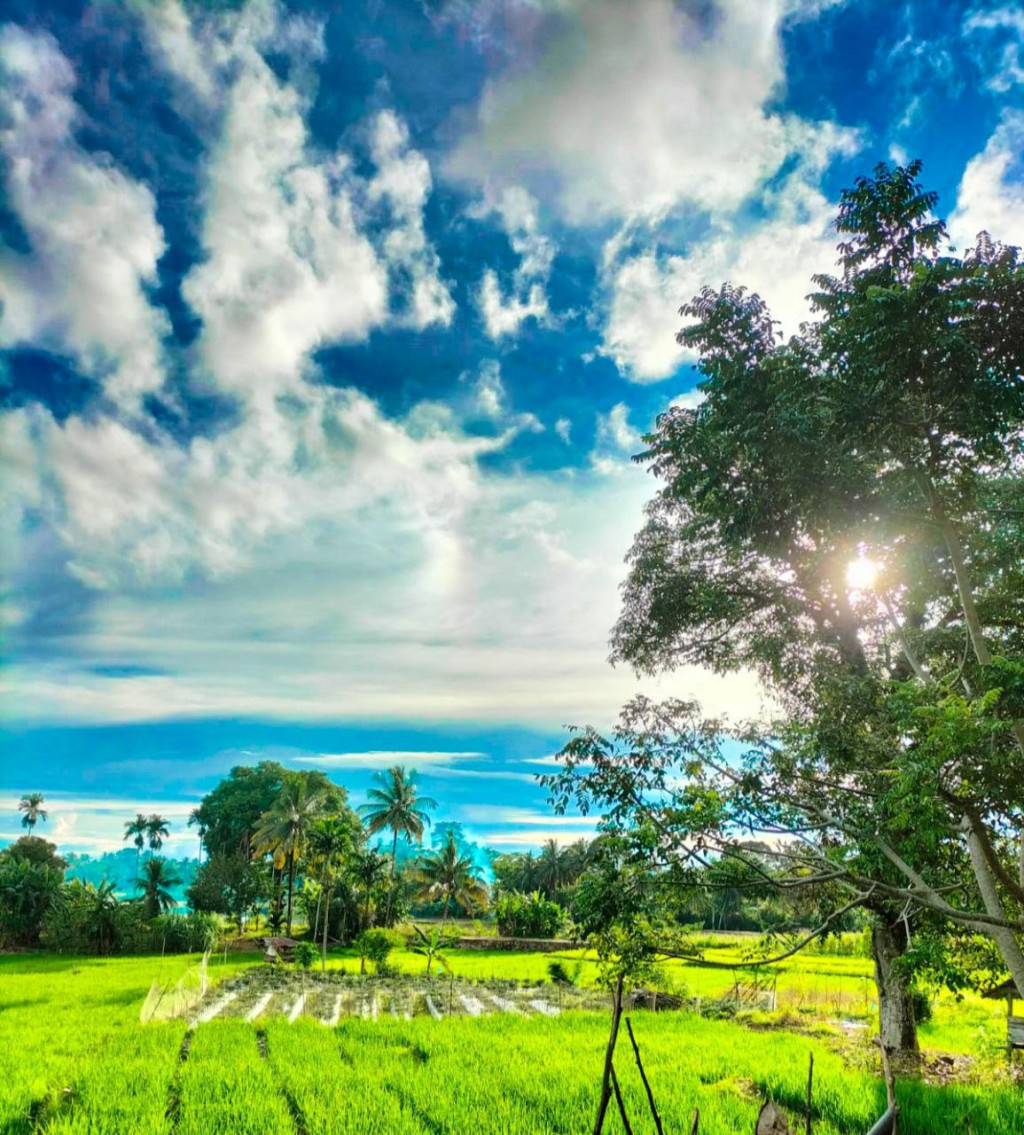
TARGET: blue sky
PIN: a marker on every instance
(328, 332)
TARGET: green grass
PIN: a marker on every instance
(74, 1060)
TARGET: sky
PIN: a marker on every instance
(329, 332)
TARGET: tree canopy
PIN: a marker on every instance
(843, 514)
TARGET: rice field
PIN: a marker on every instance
(75, 1060)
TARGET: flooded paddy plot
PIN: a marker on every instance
(329, 998)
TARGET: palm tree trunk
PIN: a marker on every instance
(391, 879)
(291, 888)
(444, 909)
(327, 908)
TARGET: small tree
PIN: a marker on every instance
(305, 955)
(432, 945)
(374, 945)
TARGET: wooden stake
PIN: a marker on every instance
(643, 1076)
(810, 1082)
(606, 1080)
(696, 1121)
(618, 1100)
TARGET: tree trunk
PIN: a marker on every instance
(1004, 938)
(895, 1008)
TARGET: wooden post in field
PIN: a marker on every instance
(643, 1076)
(622, 1106)
(696, 1121)
(810, 1082)
(606, 1080)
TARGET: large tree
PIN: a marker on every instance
(843, 514)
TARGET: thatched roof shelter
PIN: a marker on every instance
(1008, 991)
(275, 949)
(1005, 989)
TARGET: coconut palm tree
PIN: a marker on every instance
(282, 830)
(32, 805)
(551, 869)
(329, 839)
(368, 869)
(450, 877)
(195, 820)
(394, 803)
(158, 876)
(137, 828)
(157, 830)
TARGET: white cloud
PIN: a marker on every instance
(504, 315)
(286, 267)
(991, 192)
(527, 299)
(489, 390)
(384, 758)
(495, 608)
(315, 559)
(999, 35)
(775, 258)
(615, 441)
(635, 109)
(93, 231)
(403, 180)
(563, 427)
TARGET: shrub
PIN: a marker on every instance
(375, 945)
(306, 955)
(185, 933)
(528, 916)
(561, 976)
(922, 1002)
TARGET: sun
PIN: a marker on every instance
(861, 574)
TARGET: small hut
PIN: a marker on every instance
(278, 949)
(1014, 1025)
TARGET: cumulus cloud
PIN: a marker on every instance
(381, 565)
(991, 192)
(503, 314)
(495, 606)
(403, 180)
(95, 241)
(489, 390)
(615, 441)
(286, 266)
(127, 506)
(694, 128)
(775, 258)
(998, 35)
